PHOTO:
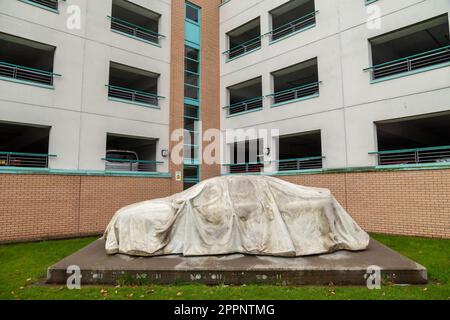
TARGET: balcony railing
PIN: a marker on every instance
(311, 89)
(51, 4)
(243, 48)
(24, 160)
(293, 26)
(297, 164)
(251, 167)
(244, 106)
(13, 71)
(135, 31)
(411, 63)
(126, 94)
(113, 164)
(413, 156)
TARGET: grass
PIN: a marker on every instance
(23, 269)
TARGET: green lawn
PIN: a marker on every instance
(23, 267)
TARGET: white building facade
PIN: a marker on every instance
(260, 38)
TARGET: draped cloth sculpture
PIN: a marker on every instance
(255, 215)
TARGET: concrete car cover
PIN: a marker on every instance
(256, 215)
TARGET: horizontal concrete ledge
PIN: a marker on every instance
(13, 170)
(340, 268)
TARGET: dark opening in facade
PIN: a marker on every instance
(245, 96)
(424, 139)
(300, 81)
(292, 17)
(24, 145)
(244, 39)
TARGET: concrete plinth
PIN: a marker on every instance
(339, 268)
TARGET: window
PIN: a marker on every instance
(245, 96)
(26, 60)
(192, 73)
(298, 82)
(126, 153)
(415, 48)
(244, 39)
(423, 139)
(46, 4)
(301, 151)
(292, 17)
(135, 21)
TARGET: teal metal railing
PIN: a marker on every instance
(25, 160)
(411, 63)
(244, 106)
(243, 48)
(250, 167)
(113, 164)
(413, 156)
(13, 71)
(133, 95)
(293, 26)
(296, 164)
(135, 30)
(292, 94)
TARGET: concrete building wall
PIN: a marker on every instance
(409, 201)
(53, 206)
(37, 207)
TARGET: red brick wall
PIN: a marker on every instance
(412, 202)
(52, 206)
